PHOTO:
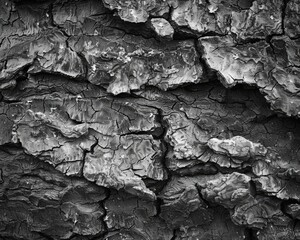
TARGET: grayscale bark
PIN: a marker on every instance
(149, 120)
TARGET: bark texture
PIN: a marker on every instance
(149, 120)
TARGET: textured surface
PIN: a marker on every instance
(145, 120)
(271, 66)
(245, 19)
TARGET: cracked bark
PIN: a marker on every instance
(149, 119)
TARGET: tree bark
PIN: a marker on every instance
(175, 119)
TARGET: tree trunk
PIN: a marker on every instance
(149, 120)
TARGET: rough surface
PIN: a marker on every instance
(244, 18)
(162, 28)
(149, 120)
(138, 11)
(271, 66)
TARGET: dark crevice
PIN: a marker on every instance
(84, 63)
(102, 204)
(175, 233)
(208, 73)
(245, 4)
(283, 14)
(10, 101)
(196, 170)
(229, 170)
(155, 186)
(208, 204)
(265, 119)
(251, 234)
(85, 152)
(155, 133)
(53, 24)
(10, 148)
(44, 235)
(185, 33)
(158, 204)
(126, 95)
(275, 113)
(284, 205)
(252, 188)
(1, 176)
(165, 148)
(20, 76)
(2, 237)
(246, 41)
